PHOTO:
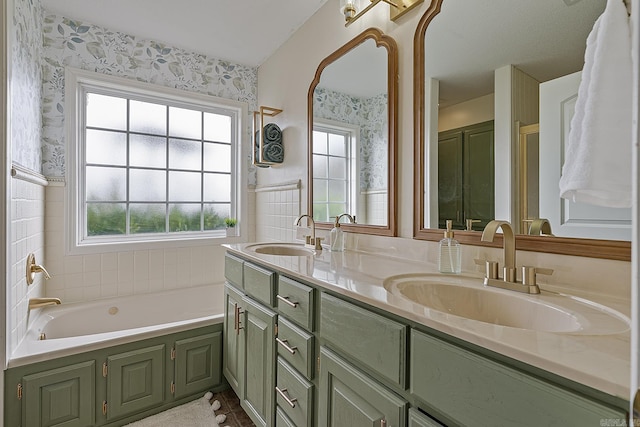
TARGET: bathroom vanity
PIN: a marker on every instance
(320, 339)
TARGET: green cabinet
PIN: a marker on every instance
(469, 389)
(257, 390)
(60, 397)
(418, 419)
(115, 385)
(466, 175)
(233, 332)
(135, 381)
(348, 397)
(197, 363)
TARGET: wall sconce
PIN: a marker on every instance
(397, 8)
(267, 144)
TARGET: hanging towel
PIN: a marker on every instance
(597, 167)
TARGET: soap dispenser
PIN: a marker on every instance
(449, 256)
(336, 237)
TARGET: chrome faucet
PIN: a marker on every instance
(528, 284)
(42, 302)
(310, 241)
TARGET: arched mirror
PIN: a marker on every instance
(486, 146)
(352, 119)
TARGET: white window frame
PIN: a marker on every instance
(353, 155)
(76, 84)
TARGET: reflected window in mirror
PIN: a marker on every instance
(352, 135)
(334, 166)
(490, 61)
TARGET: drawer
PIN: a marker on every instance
(473, 390)
(418, 419)
(295, 346)
(294, 395)
(259, 282)
(373, 340)
(233, 269)
(282, 420)
(295, 301)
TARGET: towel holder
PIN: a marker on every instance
(258, 128)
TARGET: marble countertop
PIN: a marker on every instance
(600, 361)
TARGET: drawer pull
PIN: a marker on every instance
(236, 318)
(291, 402)
(286, 300)
(285, 344)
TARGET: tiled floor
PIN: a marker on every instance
(230, 406)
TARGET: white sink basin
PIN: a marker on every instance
(468, 298)
(280, 249)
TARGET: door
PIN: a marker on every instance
(350, 398)
(569, 219)
(258, 388)
(135, 381)
(60, 397)
(233, 333)
(198, 364)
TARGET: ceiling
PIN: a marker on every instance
(468, 40)
(242, 31)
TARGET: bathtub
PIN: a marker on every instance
(75, 328)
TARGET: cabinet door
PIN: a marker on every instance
(198, 363)
(478, 175)
(350, 398)
(233, 333)
(60, 397)
(450, 178)
(258, 389)
(135, 381)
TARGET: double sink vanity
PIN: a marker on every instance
(319, 338)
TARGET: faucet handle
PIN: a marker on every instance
(317, 243)
(529, 274)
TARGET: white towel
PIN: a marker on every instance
(597, 167)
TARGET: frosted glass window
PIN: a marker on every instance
(106, 147)
(217, 157)
(147, 218)
(217, 128)
(152, 165)
(185, 154)
(334, 186)
(184, 217)
(214, 215)
(185, 123)
(108, 112)
(106, 184)
(147, 151)
(217, 187)
(184, 186)
(147, 185)
(146, 117)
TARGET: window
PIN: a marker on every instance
(334, 171)
(150, 163)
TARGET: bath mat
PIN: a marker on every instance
(199, 413)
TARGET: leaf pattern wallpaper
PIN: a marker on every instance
(26, 84)
(69, 43)
(370, 114)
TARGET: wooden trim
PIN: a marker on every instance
(392, 86)
(606, 249)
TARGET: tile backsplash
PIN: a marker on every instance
(279, 206)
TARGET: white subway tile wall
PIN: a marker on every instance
(87, 277)
(27, 236)
(279, 207)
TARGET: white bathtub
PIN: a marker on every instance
(80, 327)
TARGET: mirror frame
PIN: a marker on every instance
(388, 43)
(606, 249)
